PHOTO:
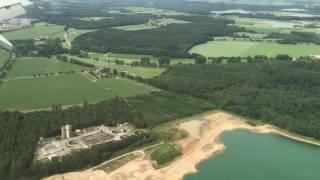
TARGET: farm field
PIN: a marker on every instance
(146, 72)
(155, 11)
(29, 66)
(4, 56)
(136, 57)
(152, 24)
(268, 26)
(37, 30)
(242, 48)
(43, 92)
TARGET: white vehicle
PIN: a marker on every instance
(10, 9)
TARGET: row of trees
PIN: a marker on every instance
(283, 93)
(296, 37)
(250, 59)
(48, 48)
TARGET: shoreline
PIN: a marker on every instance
(196, 148)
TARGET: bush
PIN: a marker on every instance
(165, 153)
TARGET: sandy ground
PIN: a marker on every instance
(202, 144)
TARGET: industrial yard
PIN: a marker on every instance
(79, 139)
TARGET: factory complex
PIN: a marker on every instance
(79, 139)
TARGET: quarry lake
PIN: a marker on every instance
(251, 156)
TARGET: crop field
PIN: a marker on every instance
(4, 56)
(43, 92)
(243, 48)
(154, 11)
(29, 66)
(152, 24)
(146, 72)
(268, 26)
(136, 57)
(40, 29)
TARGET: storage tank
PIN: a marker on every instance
(68, 131)
(63, 132)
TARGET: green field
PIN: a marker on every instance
(29, 66)
(36, 93)
(4, 57)
(40, 29)
(152, 24)
(136, 57)
(268, 26)
(155, 11)
(146, 72)
(243, 48)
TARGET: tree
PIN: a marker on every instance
(145, 61)
(199, 59)
(284, 57)
(115, 72)
(164, 61)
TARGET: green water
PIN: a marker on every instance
(250, 156)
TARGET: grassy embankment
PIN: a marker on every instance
(165, 153)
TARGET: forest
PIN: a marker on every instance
(19, 132)
(110, 20)
(283, 93)
(295, 37)
(173, 40)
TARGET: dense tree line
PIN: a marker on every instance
(172, 41)
(81, 63)
(280, 18)
(295, 37)
(111, 20)
(282, 93)
(19, 132)
(29, 48)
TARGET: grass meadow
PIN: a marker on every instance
(152, 24)
(43, 92)
(40, 29)
(146, 72)
(29, 66)
(247, 48)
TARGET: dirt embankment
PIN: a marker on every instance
(202, 143)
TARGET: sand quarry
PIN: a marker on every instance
(202, 143)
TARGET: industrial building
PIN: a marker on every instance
(80, 139)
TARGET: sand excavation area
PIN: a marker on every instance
(202, 143)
